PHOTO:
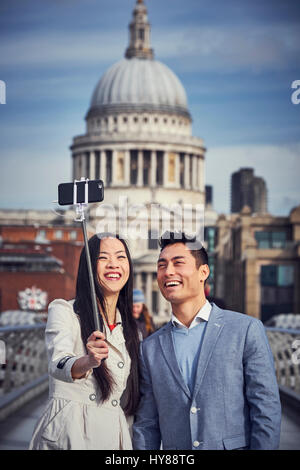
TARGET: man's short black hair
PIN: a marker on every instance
(192, 243)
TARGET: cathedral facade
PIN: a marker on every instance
(139, 142)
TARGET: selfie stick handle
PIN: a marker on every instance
(80, 212)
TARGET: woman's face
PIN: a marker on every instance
(137, 310)
(113, 267)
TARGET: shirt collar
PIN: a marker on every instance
(202, 315)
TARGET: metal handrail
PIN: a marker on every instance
(284, 348)
(25, 371)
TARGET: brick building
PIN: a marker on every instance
(45, 256)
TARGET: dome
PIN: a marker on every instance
(138, 85)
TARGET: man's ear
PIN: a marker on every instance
(204, 270)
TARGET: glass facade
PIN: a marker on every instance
(266, 240)
(277, 290)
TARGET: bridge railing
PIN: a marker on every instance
(23, 372)
(285, 345)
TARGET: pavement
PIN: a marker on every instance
(16, 430)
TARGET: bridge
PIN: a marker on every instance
(24, 383)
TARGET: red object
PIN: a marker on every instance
(111, 327)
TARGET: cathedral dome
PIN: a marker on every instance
(138, 85)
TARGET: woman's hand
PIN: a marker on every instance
(97, 349)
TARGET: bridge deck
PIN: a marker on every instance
(16, 430)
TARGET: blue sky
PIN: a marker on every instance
(236, 59)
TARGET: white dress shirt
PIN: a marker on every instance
(202, 315)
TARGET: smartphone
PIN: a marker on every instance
(66, 192)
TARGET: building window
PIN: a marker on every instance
(97, 165)
(269, 240)
(108, 167)
(277, 290)
(181, 171)
(209, 236)
(160, 168)
(133, 166)
(120, 166)
(73, 235)
(58, 234)
(191, 170)
(41, 235)
(141, 34)
(146, 167)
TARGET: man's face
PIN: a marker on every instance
(178, 278)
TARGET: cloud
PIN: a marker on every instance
(47, 49)
(231, 48)
(222, 48)
(278, 165)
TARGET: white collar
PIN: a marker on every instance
(202, 315)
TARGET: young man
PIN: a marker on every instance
(207, 377)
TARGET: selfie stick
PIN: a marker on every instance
(80, 207)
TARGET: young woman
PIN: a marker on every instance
(141, 315)
(93, 376)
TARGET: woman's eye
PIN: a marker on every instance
(101, 257)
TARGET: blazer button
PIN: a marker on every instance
(121, 365)
(196, 443)
(114, 402)
(92, 397)
(194, 410)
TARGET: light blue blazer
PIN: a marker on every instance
(235, 402)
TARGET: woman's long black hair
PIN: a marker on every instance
(83, 308)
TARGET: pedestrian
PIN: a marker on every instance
(93, 375)
(141, 314)
(207, 377)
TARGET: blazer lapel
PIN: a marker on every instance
(213, 329)
(166, 343)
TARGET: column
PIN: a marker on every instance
(82, 166)
(114, 167)
(127, 168)
(149, 291)
(153, 168)
(138, 281)
(165, 165)
(92, 165)
(201, 169)
(140, 168)
(187, 171)
(177, 170)
(194, 174)
(103, 166)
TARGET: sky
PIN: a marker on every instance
(236, 59)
